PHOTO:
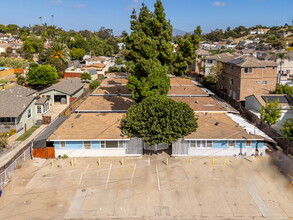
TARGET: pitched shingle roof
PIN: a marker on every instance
(68, 86)
(15, 100)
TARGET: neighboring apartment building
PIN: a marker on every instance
(285, 66)
(245, 75)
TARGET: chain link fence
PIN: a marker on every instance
(15, 163)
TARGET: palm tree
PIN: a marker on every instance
(41, 20)
(60, 51)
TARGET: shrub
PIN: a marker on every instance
(94, 84)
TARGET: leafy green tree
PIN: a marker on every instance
(216, 72)
(3, 28)
(118, 61)
(13, 62)
(20, 80)
(33, 45)
(86, 76)
(41, 75)
(158, 120)
(283, 89)
(186, 52)
(94, 84)
(271, 112)
(77, 53)
(287, 129)
(3, 140)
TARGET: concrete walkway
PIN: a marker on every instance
(54, 112)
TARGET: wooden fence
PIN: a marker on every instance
(68, 110)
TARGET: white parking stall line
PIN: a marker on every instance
(133, 173)
(108, 176)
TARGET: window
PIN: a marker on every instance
(111, 144)
(231, 144)
(192, 144)
(257, 81)
(248, 70)
(87, 145)
(209, 143)
(39, 109)
(287, 71)
(29, 113)
(265, 82)
(62, 144)
(248, 143)
(200, 144)
(209, 61)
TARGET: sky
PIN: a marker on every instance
(115, 14)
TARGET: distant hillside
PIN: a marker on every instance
(177, 32)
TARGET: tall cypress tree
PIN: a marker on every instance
(149, 47)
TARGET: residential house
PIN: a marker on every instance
(254, 32)
(254, 103)
(64, 91)
(21, 109)
(198, 66)
(211, 61)
(99, 59)
(245, 75)
(76, 73)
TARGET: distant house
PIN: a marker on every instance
(285, 66)
(77, 72)
(21, 109)
(99, 59)
(253, 32)
(198, 66)
(64, 91)
(255, 102)
(212, 60)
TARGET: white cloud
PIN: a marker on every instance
(135, 1)
(79, 6)
(56, 2)
(219, 4)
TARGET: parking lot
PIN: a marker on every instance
(148, 187)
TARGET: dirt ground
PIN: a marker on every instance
(148, 188)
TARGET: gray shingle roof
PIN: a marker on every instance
(15, 100)
(68, 86)
(41, 101)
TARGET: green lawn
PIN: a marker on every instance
(27, 134)
(4, 81)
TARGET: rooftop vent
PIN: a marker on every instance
(196, 101)
(217, 123)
